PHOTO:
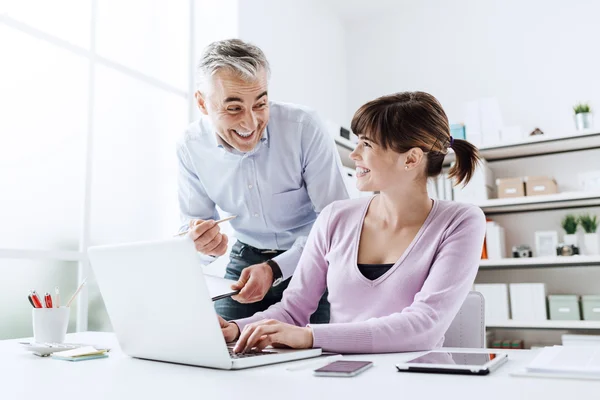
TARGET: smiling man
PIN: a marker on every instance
(271, 164)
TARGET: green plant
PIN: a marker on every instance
(581, 108)
(589, 223)
(569, 224)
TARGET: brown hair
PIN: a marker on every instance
(406, 120)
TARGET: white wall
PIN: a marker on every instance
(538, 57)
(305, 44)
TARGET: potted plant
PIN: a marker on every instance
(591, 238)
(583, 116)
(569, 224)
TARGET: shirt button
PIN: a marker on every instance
(256, 214)
(249, 186)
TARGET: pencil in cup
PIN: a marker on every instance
(56, 297)
(76, 293)
(216, 223)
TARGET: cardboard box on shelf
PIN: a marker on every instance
(510, 187)
(538, 185)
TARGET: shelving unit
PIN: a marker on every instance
(544, 202)
(562, 275)
(549, 324)
(537, 145)
(540, 262)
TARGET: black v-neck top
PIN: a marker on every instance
(373, 271)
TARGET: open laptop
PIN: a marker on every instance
(160, 307)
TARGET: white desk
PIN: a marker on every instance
(25, 376)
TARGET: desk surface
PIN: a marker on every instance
(25, 376)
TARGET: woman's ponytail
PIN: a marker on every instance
(467, 158)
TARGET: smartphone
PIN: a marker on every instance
(343, 368)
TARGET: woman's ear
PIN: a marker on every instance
(201, 102)
(414, 157)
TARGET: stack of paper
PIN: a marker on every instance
(80, 354)
(572, 361)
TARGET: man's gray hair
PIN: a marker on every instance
(243, 58)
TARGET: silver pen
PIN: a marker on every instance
(216, 223)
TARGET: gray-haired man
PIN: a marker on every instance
(271, 164)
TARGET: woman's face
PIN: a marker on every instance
(378, 169)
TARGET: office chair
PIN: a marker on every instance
(468, 327)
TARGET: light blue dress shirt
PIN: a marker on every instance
(276, 190)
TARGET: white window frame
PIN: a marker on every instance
(80, 256)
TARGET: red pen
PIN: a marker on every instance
(31, 301)
(36, 300)
(48, 300)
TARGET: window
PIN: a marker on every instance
(93, 101)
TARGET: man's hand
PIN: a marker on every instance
(230, 330)
(271, 332)
(254, 283)
(208, 238)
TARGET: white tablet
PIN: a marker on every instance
(454, 362)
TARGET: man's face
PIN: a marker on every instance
(238, 108)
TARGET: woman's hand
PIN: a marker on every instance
(230, 330)
(271, 332)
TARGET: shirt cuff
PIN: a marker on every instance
(241, 323)
(205, 259)
(288, 261)
(337, 338)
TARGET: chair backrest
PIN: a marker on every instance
(468, 327)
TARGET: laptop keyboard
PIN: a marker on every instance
(251, 353)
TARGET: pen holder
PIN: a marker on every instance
(50, 324)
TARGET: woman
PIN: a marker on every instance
(398, 265)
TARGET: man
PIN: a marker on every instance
(272, 165)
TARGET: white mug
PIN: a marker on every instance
(50, 324)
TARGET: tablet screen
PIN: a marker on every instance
(454, 358)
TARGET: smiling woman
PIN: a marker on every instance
(397, 265)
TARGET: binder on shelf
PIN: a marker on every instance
(528, 301)
(496, 300)
(495, 241)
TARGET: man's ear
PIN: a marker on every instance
(201, 102)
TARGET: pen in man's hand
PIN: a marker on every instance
(216, 223)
